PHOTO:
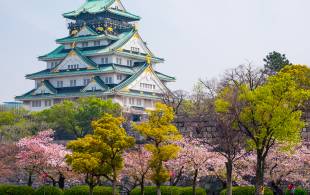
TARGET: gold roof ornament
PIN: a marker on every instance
(110, 29)
(73, 45)
(74, 32)
(148, 59)
(100, 28)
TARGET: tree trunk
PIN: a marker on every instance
(195, 181)
(91, 189)
(158, 192)
(29, 183)
(142, 186)
(260, 168)
(229, 168)
(114, 183)
(61, 181)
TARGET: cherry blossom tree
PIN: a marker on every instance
(195, 160)
(8, 167)
(281, 167)
(137, 168)
(39, 155)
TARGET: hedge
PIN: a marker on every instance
(298, 191)
(246, 190)
(84, 190)
(16, 190)
(168, 190)
(48, 190)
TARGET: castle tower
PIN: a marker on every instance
(103, 56)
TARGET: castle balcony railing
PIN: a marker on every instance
(101, 22)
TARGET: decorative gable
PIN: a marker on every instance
(136, 44)
(147, 81)
(95, 85)
(44, 88)
(85, 31)
(75, 61)
(117, 5)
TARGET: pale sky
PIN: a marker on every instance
(198, 39)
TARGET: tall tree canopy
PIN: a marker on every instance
(101, 153)
(268, 114)
(76, 117)
(160, 131)
(275, 61)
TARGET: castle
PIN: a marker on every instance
(103, 56)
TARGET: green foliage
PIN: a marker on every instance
(48, 190)
(275, 61)
(298, 191)
(168, 190)
(16, 190)
(246, 190)
(84, 190)
(15, 125)
(161, 132)
(76, 117)
(100, 154)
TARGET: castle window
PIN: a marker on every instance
(47, 103)
(93, 89)
(60, 84)
(119, 77)
(86, 82)
(129, 63)
(96, 43)
(108, 80)
(104, 60)
(85, 44)
(36, 103)
(72, 83)
(119, 61)
(131, 101)
(135, 49)
(139, 102)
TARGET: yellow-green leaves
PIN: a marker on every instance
(100, 154)
(161, 133)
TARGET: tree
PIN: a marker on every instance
(39, 155)
(160, 132)
(226, 139)
(8, 167)
(137, 167)
(275, 61)
(199, 160)
(100, 154)
(76, 117)
(266, 115)
(15, 125)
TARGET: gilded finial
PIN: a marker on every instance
(73, 45)
(148, 59)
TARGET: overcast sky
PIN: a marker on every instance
(198, 39)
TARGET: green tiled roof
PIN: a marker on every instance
(76, 91)
(102, 69)
(164, 77)
(101, 83)
(71, 39)
(49, 86)
(61, 52)
(99, 6)
(126, 82)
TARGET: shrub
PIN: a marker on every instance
(168, 190)
(48, 190)
(15, 190)
(246, 190)
(84, 190)
(298, 191)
